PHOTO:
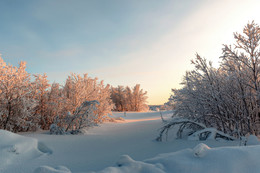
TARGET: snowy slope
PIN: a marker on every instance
(100, 148)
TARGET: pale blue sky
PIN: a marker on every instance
(149, 42)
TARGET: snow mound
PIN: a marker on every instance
(127, 165)
(47, 169)
(252, 140)
(124, 160)
(18, 149)
(200, 150)
(232, 160)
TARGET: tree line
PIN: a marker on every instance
(228, 97)
(29, 102)
(127, 99)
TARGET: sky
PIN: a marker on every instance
(123, 42)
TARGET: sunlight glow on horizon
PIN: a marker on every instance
(148, 43)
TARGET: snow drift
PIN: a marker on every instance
(18, 149)
(201, 159)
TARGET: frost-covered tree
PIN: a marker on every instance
(26, 105)
(56, 102)
(79, 89)
(40, 91)
(105, 102)
(16, 102)
(227, 97)
(118, 97)
(139, 98)
(243, 64)
(127, 99)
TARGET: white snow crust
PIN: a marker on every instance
(131, 143)
(201, 159)
(47, 169)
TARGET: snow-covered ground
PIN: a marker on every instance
(126, 146)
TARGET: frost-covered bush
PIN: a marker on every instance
(56, 130)
(191, 130)
(209, 134)
(228, 97)
(84, 117)
(79, 89)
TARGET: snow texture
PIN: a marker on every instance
(47, 169)
(252, 140)
(132, 139)
(206, 160)
(200, 150)
(127, 165)
(18, 149)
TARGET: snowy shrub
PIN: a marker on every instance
(192, 130)
(79, 89)
(226, 98)
(209, 133)
(84, 117)
(56, 130)
(186, 127)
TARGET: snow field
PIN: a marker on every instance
(130, 143)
